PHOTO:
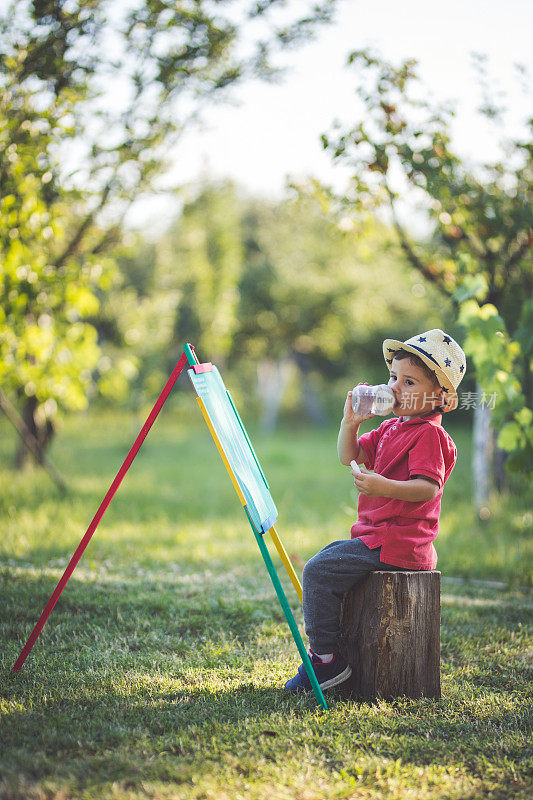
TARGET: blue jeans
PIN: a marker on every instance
(336, 569)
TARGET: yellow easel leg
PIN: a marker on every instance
(286, 561)
(221, 451)
(275, 538)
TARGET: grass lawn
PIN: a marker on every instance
(159, 673)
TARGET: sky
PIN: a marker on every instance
(271, 133)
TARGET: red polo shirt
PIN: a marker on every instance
(399, 450)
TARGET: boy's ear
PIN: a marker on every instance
(450, 401)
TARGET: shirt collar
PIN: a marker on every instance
(434, 418)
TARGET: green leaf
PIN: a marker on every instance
(521, 460)
(524, 333)
(510, 436)
(524, 417)
(473, 286)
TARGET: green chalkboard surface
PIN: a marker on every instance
(234, 440)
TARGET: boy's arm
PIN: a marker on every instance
(348, 447)
(416, 490)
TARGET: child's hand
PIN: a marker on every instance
(349, 418)
(370, 483)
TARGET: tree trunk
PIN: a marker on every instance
(501, 476)
(310, 398)
(30, 442)
(311, 402)
(272, 379)
(390, 636)
(482, 453)
(42, 432)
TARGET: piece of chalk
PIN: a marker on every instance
(354, 465)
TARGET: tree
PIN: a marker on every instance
(482, 228)
(313, 300)
(286, 295)
(47, 351)
(322, 292)
(203, 258)
(74, 157)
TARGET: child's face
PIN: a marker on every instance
(415, 392)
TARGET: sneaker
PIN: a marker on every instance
(332, 674)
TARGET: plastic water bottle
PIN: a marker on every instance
(373, 400)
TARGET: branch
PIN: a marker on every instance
(407, 247)
(78, 236)
(476, 245)
(523, 241)
(110, 237)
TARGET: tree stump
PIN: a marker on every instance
(390, 635)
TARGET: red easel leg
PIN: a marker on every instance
(100, 513)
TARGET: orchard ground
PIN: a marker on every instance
(160, 672)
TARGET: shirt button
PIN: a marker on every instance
(394, 427)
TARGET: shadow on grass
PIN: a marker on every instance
(136, 682)
(170, 734)
(158, 500)
(125, 621)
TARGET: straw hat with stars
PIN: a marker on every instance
(440, 353)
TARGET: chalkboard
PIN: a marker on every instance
(236, 445)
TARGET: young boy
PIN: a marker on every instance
(412, 457)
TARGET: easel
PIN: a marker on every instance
(246, 475)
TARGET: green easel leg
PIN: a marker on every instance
(290, 619)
